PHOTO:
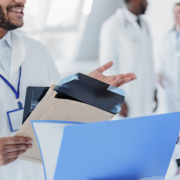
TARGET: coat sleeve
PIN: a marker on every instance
(108, 47)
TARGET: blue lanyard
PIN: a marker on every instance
(17, 93)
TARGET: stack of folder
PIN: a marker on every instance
(78, 98)
(74, 139)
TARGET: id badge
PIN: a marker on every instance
(15, 119)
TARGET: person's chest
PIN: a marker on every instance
(32, 74)
(130, 31)
(134, 47)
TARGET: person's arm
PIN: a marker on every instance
(12, 147)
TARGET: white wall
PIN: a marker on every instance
(101, 10)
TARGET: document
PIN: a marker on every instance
(131, 149)
(78, 98)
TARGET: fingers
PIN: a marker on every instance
(12, 147)
(125, 80)
(105, 67)
(10, 157)
(111, 80)
(18, 147)
(114, 82)
(10, 160)
(118, 81)
(126, 75)
(16, 140)
(15, 154)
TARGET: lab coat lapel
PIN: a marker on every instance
(4, 74)
(137, 30)
(18, 53)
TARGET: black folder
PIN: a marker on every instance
(33, 96)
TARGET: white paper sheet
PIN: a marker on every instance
(49, 136)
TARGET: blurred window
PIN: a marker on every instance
(59, 24)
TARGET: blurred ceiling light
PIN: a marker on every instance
(87, 7)
(33, 7)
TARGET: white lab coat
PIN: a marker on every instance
(38, 69)
(175, 178)
(169, 68)
(130, 48)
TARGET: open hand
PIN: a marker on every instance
(117, 80)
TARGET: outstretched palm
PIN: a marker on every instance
(117, 80)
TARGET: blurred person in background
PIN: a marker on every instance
(169, 66)
(126, 40)
(169, 69)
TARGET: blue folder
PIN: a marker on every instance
(128, 149)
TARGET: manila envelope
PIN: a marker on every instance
(51, 108)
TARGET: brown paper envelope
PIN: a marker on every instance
(51, 108)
